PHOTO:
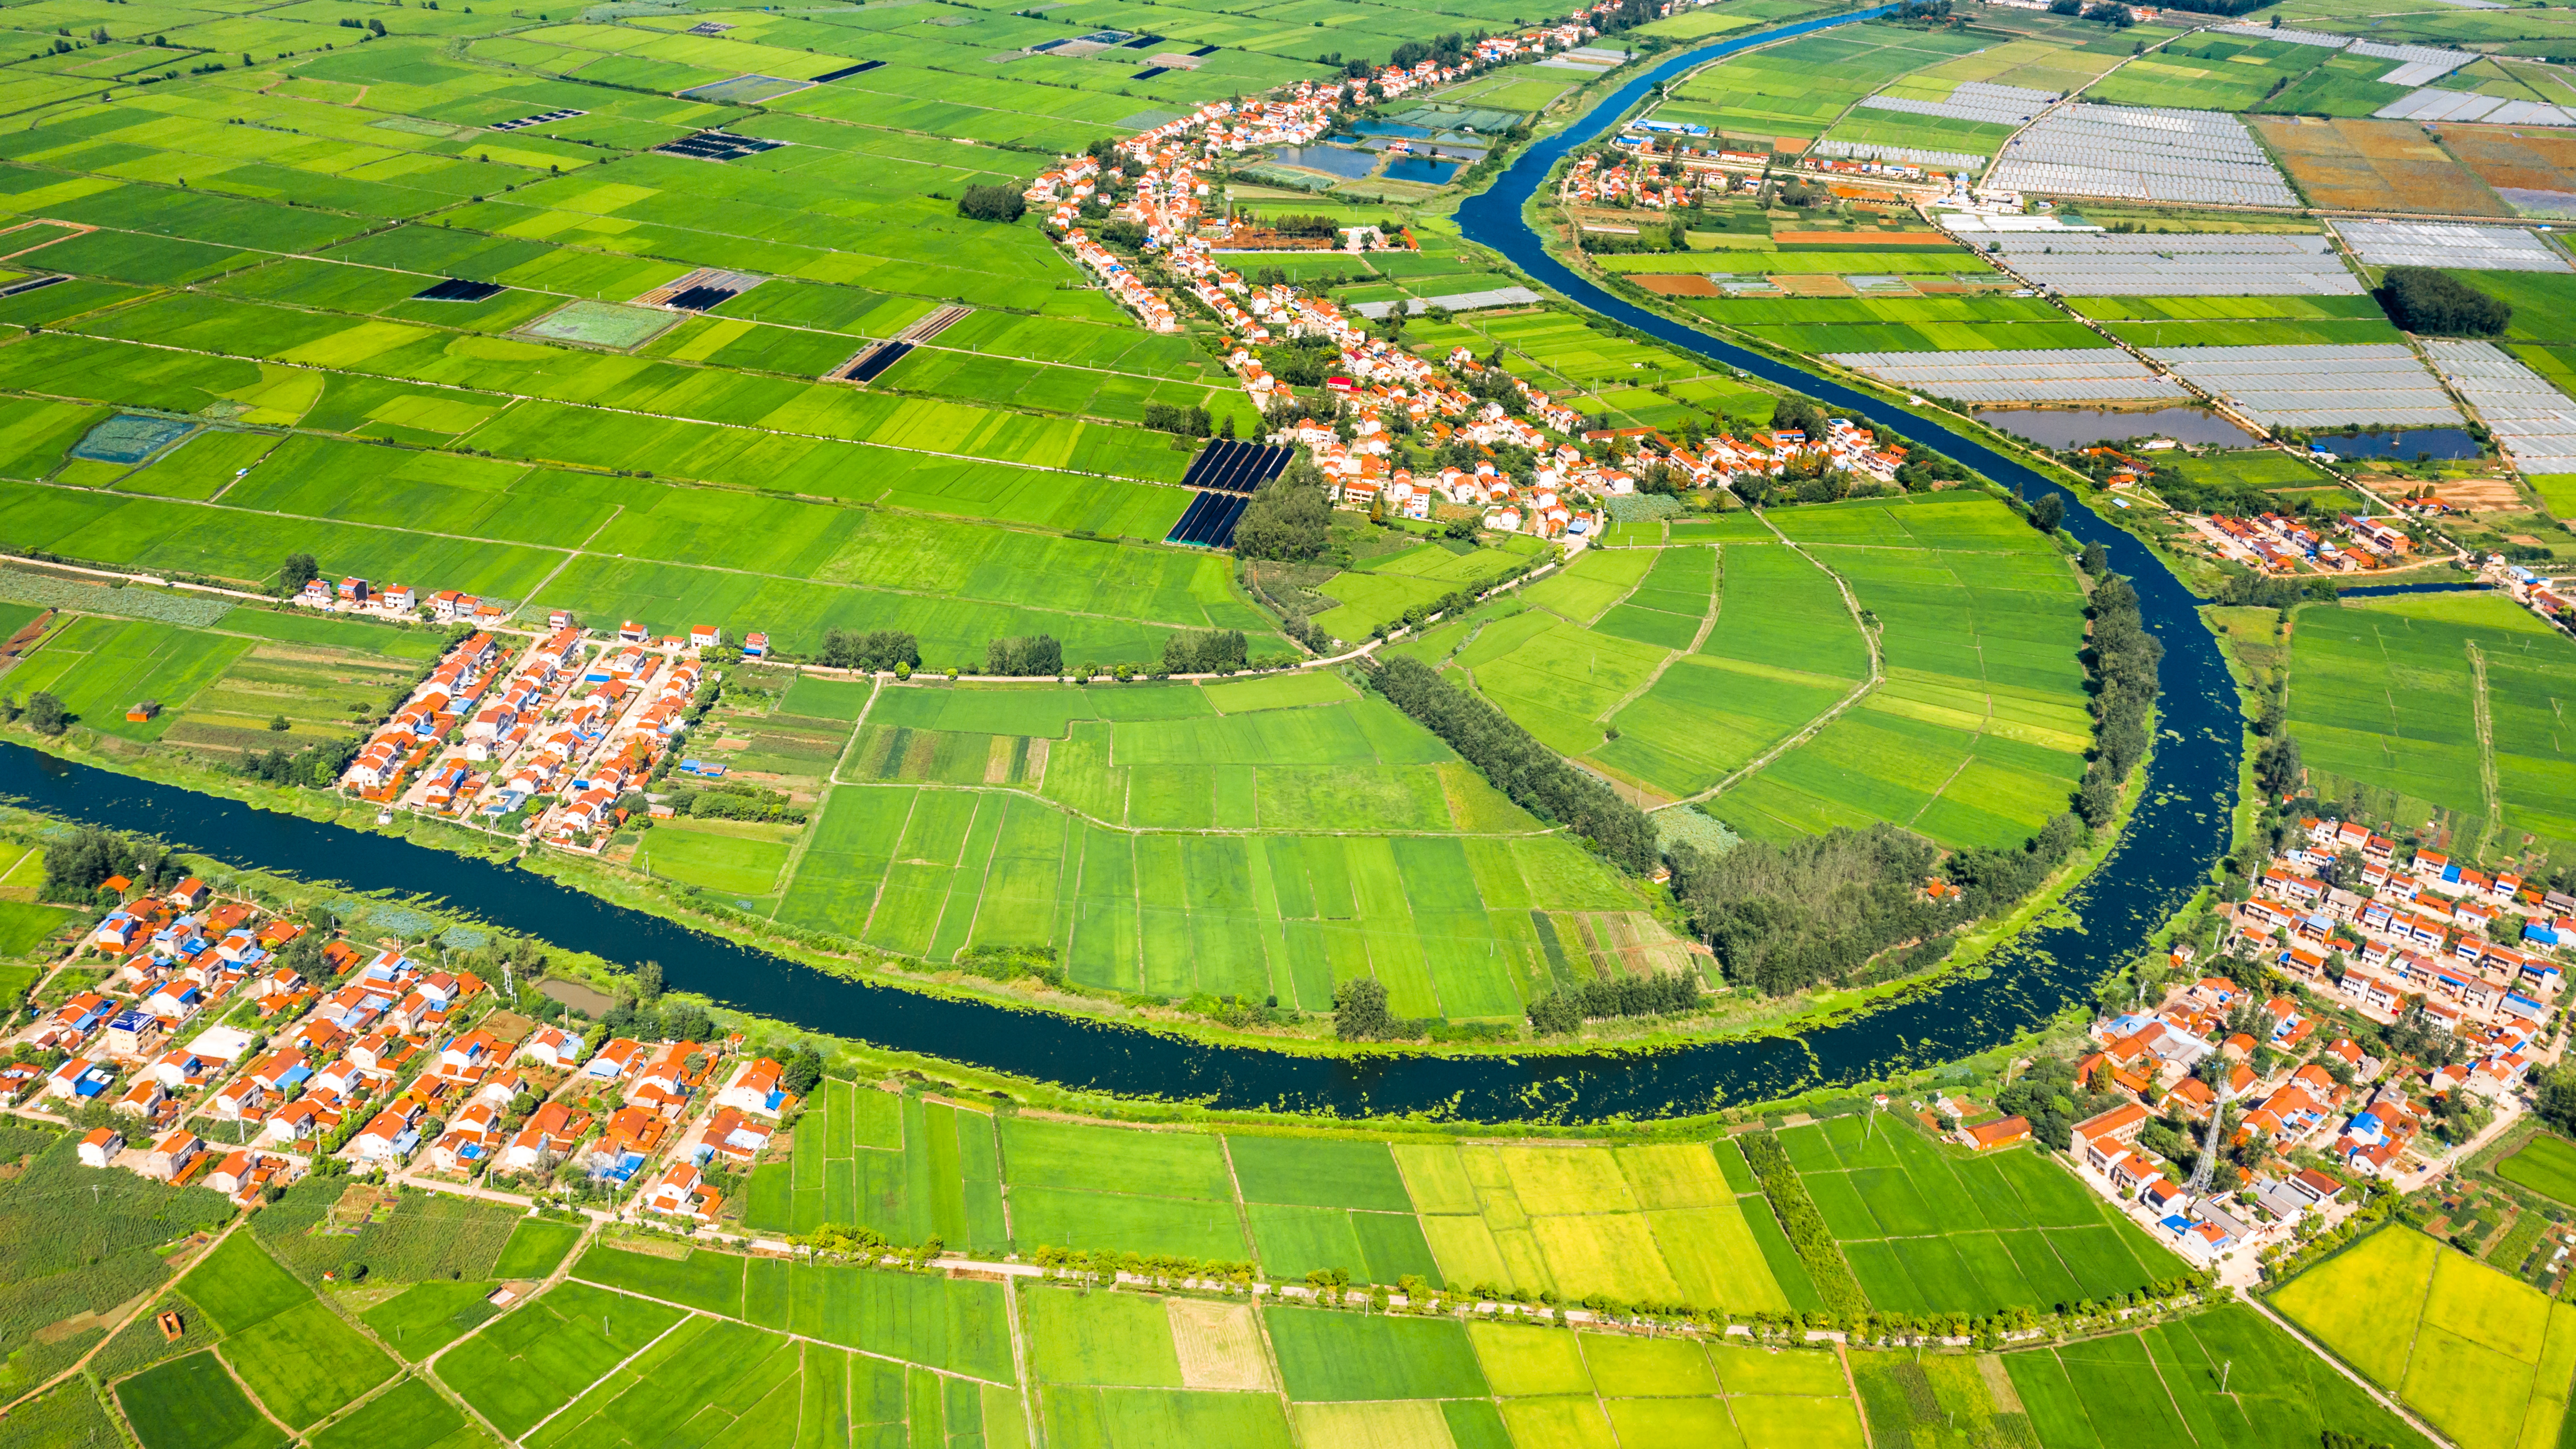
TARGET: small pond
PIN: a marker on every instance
(1331, 160)
(2083, 427)
(1422, 169)
(2405, 443)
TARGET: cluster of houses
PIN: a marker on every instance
(2550, 599)
(575, 720)
(2465, 951)
(2474, 950)
(1379, 384)
(228, 1068)
(2281, 545)
(1615, 180)
(2313, 1099)
(398, 601)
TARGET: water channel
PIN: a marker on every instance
(2177, 831)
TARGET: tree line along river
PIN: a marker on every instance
(2176, 833)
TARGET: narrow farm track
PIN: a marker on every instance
(2481, 711)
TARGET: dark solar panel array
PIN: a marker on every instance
(457, 289)
(1204, 50)
(1140, 42)
(875, 361)
(1149, 72)
(32, 284)
(699, 299)
(847, 71)
(538, 120)
(718, 146)
(1232, 467)
(1210, 520)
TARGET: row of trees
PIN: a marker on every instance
(992, 203)
(1029, 654)
(1805, 1225)
(1534, 776)
(1666, 993)
(875, 650)
(1204, 651)
(316, 766)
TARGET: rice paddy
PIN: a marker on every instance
(1262, 840)
(1926, 1230)
(2438, 707)
(1673, 668)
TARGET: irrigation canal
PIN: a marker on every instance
(2177, 832)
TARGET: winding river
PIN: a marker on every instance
(2176, 833)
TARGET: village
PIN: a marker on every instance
(2459, 963)
(243, 1052)
(545, 740)
(1376, 381)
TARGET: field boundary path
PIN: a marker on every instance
(1860, 691)
(81, 1364)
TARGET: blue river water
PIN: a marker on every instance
(2178, 831)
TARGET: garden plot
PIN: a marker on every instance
(2318, 387)
(2141, 154)
(2217, 265)
(2532, 421)
(607, 325)
(2447, 244)
(2486, 1358)
(2064, 374)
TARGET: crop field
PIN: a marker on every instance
(2484, 1357)
(2546, 1165)
(1797, 89)
(1380, 589)
(2160, 1384)
(1928, 1231)
(1108, 1366)
(2387, 164)
(2215, 73)
(2239, 321)
(2439, 706)
(1266, 838)
(1668, 1223)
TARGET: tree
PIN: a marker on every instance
(2096, 560)
(1031, 654)
(1287, 519)
(648, 982)
(298, 570)
(804, 1072)
(2557, 1105)
(46, 715)
(875, 651)
(1360, 1012)
(992, 203)
(2048, 511)
(1204, 651)
(2423, 300)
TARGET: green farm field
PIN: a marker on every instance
(2439, 706)
(1926, 1229)
(1262, 839)
(1672, 668)
(2546, 1165)
(2482, 1356)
